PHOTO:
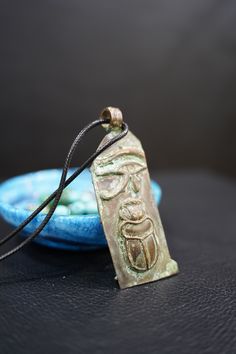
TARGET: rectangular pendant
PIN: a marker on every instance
(129, 216)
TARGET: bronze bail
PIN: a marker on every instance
(114, 116)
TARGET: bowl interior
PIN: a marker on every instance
(24, 192)
(80, 231)
(27, 191)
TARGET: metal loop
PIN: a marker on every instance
(114, 118)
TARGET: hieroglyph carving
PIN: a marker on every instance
(129, 215)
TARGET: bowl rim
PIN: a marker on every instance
(5, 185)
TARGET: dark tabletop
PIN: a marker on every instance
(61, 302)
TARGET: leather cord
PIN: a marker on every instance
(56, 195)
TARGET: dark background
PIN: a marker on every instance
(169, 65)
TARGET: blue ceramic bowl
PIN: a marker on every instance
(74, 232)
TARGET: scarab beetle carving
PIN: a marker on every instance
(138, 232)
(129, 216)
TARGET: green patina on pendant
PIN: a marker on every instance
(128, 212)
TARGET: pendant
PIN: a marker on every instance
(129, 216)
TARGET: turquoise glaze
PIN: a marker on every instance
(69, 232)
